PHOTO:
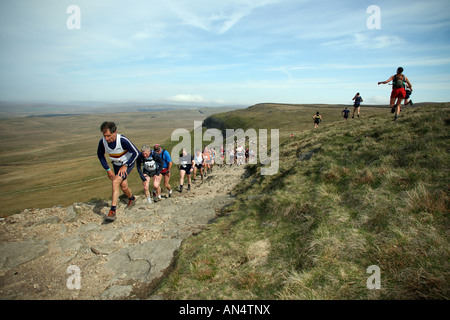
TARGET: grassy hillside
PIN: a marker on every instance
(349, 195)
(289, 118)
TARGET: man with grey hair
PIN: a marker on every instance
(151, 164)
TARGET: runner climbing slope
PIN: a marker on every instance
(123, 154)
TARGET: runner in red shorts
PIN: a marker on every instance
(398, 91)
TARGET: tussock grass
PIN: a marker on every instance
(346, 196)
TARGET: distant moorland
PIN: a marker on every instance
(52, 160)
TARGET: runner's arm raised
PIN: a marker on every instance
(387, 81)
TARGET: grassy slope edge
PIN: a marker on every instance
(344, 198)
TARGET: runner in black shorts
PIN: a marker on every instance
(151, 164)
(186, 166)
(123, 154)
(357, 106)
(317, 118)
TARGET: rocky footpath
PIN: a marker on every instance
(71, 253)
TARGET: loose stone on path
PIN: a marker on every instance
(120, 260)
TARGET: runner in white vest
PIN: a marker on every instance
(123, 155)
(198, 159)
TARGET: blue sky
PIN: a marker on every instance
(222, 52)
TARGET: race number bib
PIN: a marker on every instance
(150, 165)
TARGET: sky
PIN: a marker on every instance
(228, 52)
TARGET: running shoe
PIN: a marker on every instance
(131, 203)
(111, 216)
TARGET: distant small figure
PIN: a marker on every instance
(207, 161)
(317, 118)
(398, 91)
(292, 135)
(345, 113)
(230, 151)
(357, 105)
(198, 160)
(186, 166)
(240, 153)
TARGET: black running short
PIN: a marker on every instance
(187, 169)
(117, 168)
